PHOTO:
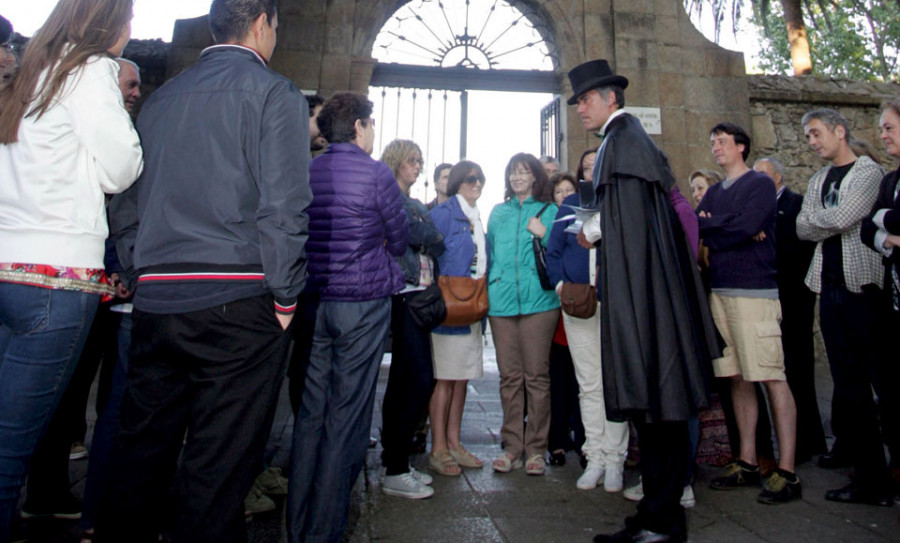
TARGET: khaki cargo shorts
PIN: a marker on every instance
(752, 333)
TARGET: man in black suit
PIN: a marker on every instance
(792, 257)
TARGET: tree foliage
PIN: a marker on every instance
(854, 39)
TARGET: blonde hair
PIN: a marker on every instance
(399, 151)
(75, 31)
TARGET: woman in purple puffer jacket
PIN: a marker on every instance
(357, 226)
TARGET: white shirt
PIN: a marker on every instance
(53, 179)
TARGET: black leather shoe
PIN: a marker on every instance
(557, 459)
(830, 460)
(855, 494)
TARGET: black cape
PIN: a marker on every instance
(657, 335)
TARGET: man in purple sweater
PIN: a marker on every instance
(737, 223)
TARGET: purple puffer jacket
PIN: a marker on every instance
(356, 222)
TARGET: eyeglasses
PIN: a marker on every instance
(415, 161)
(472, 179)
(520, 173)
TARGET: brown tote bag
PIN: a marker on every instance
(580, 300)
(466, 299)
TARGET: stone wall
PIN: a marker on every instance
(777, 104)
(325, 46)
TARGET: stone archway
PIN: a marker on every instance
(326, 46)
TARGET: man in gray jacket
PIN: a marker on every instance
(217, 224)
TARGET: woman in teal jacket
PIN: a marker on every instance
(522, 314)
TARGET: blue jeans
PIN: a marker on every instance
(42, 332)
(105, 432)
(331, 433)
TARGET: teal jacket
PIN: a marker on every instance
(513, 285)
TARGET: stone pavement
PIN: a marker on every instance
(486, 507)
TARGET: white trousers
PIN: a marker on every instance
(605, 441)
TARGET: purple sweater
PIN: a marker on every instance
(746, 208)
(356, 222)
(687, 218)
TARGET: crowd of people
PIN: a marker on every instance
(202, 255)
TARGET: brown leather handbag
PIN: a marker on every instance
(578, 300)
(466, 299)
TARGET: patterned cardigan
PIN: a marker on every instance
(859, 189)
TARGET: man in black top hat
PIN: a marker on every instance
(657, 336)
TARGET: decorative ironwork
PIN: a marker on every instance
(551, 128)
(484, 34)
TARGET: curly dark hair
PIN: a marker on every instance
(339, 114)
(541, 190)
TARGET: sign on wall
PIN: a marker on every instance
(650, 118)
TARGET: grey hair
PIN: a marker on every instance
(547, 159)
(776, 164)
(615, 89)
(830, 118)
(133, 64)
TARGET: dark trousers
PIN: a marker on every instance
(664, 462)
(851, 329)
(302, 329)
(798, 311)
(565, 412)
(48, 478)
(331, 434)
(202, 385)
(409, 387)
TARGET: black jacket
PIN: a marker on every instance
(891, 223)
(226, 181)
(658, 337)
(792, 255)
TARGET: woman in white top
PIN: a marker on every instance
(457, 349)
(65, 140)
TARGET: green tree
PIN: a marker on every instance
(852, 39)
(795, 35)
(846, 38)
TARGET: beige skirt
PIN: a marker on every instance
(458, 357)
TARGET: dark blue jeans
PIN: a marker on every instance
(331, 435)
(42, 332)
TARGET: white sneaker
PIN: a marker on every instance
(612, 482)
(421, 476)
(405, 485)
(591, 476)
(634, 493)
(687, 497)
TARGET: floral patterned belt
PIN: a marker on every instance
(89, 280)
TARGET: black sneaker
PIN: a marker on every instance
(738, 474)
(781, 487)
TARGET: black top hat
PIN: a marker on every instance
(593, 75)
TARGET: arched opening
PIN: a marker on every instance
(465, 80)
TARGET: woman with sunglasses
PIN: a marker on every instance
(65, 140)
(457, 349)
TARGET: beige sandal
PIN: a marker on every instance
(466, 459)
(506, 463)
(535, 465)
(443, 463)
